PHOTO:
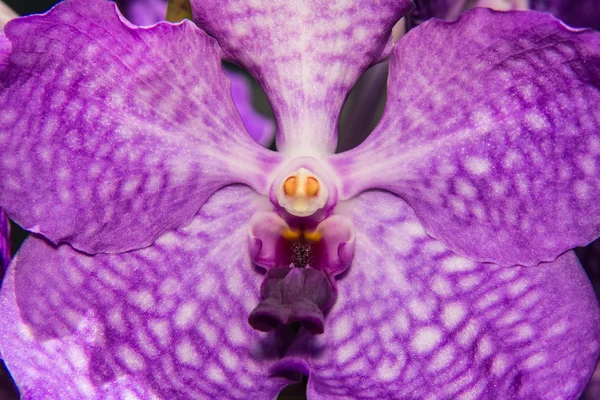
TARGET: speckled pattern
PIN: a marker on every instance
(4, 243)
(307, 54)
(131, 128)
(165, 322)
(491, 133)
(414, 320)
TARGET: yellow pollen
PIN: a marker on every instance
(290, 186)
(313, 236)
(312, 186)
(291, 235)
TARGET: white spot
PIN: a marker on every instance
(482, 120)
(426, 339)
(160, 329)
(208, 332)
(143, 299)
(346, 352)
(216, 374)
(536, 121)
(484, 348)
(442, 359)
(441, 286)
(464, 188)
(186, 353)
(419, 310)
(499, 365)
(468, 334)
(477, 165)
(229, 359)
(131, 358)
(342, 328)
(389, 370)
(534, 361)
(458, 264)
(185, 315)
(77, 357)
(453, 314)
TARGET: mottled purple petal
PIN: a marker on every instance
(494, 141)
(582, 13)
(144, 12)
(307, 55)
(415, 320)
(4, 243)
(168, 321)
(113, 134)
(260, 127)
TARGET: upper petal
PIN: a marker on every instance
(167, 322)
(492, 134)
(113, 134)
(307, 54)
(413, 320)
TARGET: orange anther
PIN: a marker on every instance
(312, 186)
(290, 186)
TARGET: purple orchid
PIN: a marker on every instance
(430, 261)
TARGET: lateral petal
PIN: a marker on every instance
(168, 321)
(415, 320)
(492, 134)
(113, 134)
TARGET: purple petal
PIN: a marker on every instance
(4, 243)
(260, 127)
(414, 320)
(492, 134)
(113, 134)
(144, 12)
(307, 55)
(168, 321)
(583, 13)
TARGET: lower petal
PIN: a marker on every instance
(414, 320)
(168, 321)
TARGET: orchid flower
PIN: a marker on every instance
(432, 261)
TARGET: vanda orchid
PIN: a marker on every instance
(432, 261)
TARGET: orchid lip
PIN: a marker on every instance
(301, 263)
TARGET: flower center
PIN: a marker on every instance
(301, 193)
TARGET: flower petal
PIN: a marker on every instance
(414, 320)
(492, 134)
(113, 134)
(307, 55)
(168, 321)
